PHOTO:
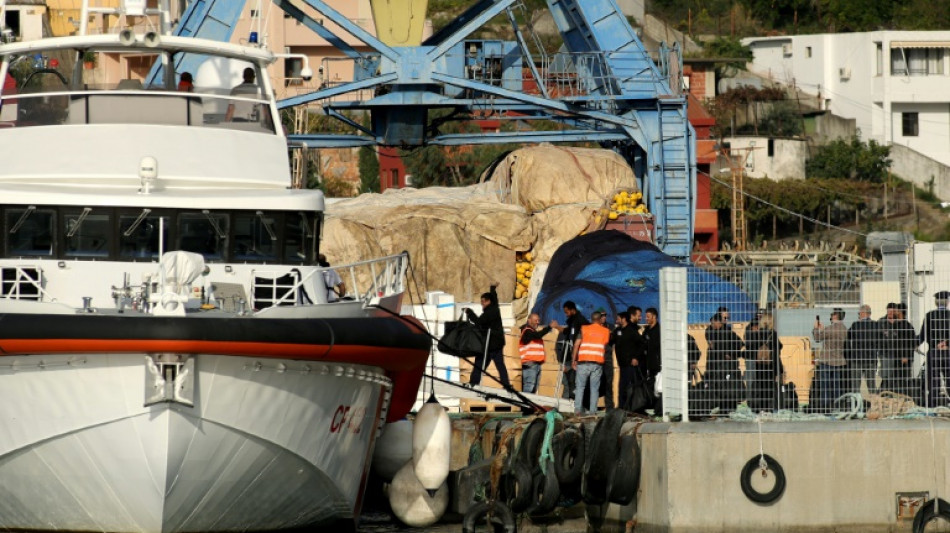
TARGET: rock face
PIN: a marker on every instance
(461, 240)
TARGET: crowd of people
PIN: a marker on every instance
(879, 354)
(587, 351)
(874, 354)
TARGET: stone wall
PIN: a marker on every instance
(919, 169)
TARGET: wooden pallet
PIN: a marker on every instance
(476, 406)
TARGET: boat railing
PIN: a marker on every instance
(23, 283)
(53, 108)
(367, 281)
(376, 278)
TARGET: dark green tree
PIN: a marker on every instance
(369, 170)
(850, 159)
(858, 15)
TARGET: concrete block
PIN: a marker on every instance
(464, 484)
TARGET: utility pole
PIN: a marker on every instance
(737, 159)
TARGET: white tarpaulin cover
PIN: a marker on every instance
(181, 268)
(461, 240)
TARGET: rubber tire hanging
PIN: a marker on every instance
(625, 476)
(569, 456)
(928, 513)
(602, 452)
(751, 468)
(519, 486)
(495, 515)
(547, 492)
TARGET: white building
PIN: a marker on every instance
(893, 83)
(765, 157)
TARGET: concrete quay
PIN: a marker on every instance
(842, 476)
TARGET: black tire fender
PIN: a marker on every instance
(625, 477)
(602, 451)
(751, 468)
(519, 486)
(547, 492)
(568, 449)
(494, 514)
(531, 440)
(930, 511)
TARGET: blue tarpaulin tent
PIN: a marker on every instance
(612, 270)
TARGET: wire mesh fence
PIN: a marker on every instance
(819, 338)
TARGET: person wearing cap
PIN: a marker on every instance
(588, 362)
(336, 289)
(862, 349)
(898, 340)
(935, 331)
(830, 364)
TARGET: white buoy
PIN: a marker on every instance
(411, 502)
(431, 444)
(393, 449)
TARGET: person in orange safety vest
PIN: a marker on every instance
(531, 350)
(589, 360)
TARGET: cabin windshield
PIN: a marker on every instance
(140, 234)
(132, 87)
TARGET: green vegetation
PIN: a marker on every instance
(754, 17)
(850, 159)
(451, 166)
(831, 201)
(369, 170)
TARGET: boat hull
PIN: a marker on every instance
(269, 444)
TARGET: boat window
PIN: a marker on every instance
(255, 238)
(29, 231)
(88, 233)
(204, 233)
(300, 234)
(139, 235)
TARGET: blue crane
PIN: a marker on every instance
(604, 87)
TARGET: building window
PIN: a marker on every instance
(293, 66)
(910, 126)
(878, 59)
(917, 61)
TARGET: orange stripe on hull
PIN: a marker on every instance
(388, 358)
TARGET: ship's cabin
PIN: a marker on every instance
(127, 79)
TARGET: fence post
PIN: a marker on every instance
(673, 322)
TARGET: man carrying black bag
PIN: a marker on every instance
(490, 323)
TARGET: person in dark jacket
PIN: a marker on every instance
(652, 362)
(936, 333)
(898, 341)
(567, 335)
(722, 363)
(490, 324)
(628, 350)
(762, 345)
(861, 350)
